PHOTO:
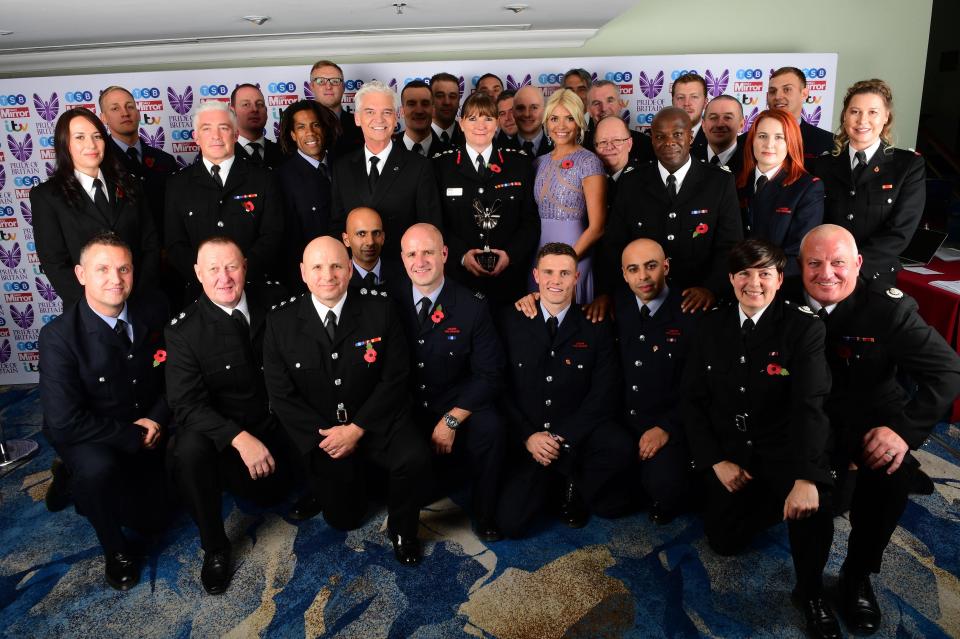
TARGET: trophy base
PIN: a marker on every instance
(488, 261)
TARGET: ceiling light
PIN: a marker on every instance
(399, 6)
(257, 20)
(3, 33)
(517, 8)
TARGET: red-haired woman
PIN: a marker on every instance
(779, 200)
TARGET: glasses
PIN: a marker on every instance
(616, 143)
(334, 82)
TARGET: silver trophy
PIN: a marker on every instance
(486, 219)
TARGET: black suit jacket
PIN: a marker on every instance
(309, 378)
(92, 388)
(405, 194)
(699, 142)
(518, 228)
(60, 231)
(272, 158)
(504, 141)
(816, 142)
(783, 214)
(392, 276)
(351, 136)
(307, 193)
(882, 210)
(436, 144)
(153, 169)
(214, 376)
(641, 152)
(568, 386)
(736, 160)
(706, 197)
(776, 376)
(545, 146)
(198, 209)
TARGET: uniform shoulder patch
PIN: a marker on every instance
(725, 168)
(479, 295)
(806, 309)
(184, 314)
(894, 293)
(440, 154)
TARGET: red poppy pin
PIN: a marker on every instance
(119, 193)
(437, 315)
(494, 168)
(159, 357)
(776, 369)
(566, 164)
(248, 206)
(370, 355)
(148, 161)
(700, 230)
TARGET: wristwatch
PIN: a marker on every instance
(452, 422)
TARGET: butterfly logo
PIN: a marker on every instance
(24, 319)
(4, 351)
(182, 162)
(393, 84)
(750, 119)
(156, 141)
(515, 85)
(180, 103)
(593, 77)
(276, 130)
(12, 257)
(650, 88)
(716, 86)
(21, 151)
(26, 212)
(625, 116)
(812, 119)
(460, 84)
(47, 110)
(47, 292)
(51, 169)
(307, 91)
(3, 176)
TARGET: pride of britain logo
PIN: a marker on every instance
(181, 103)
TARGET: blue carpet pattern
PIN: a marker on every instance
(624, 578)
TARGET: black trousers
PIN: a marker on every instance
(113, 489)
(201, 473)
(341, 484)
(480, 442)
(594, 465)
(732, 519)
(664, 478)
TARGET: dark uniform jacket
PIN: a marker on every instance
(504, 141)
(436, 144)
(758, 401)
(568, 386)
(247, 210)
(362, 378)
(816, 142)
(545, 146)
(652, 354)
(641, 151)
(153, 169)
(392, 275)
(60, 231)
(699, 143)
(405, 193)
(458, 359)
(707, 201)
(735, 164)
(272, 154)
(517, 231)
(214, 375)
(307, 193)
(351, 136)
(882, 210)
(92, 388)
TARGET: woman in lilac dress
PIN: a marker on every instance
(570, 187)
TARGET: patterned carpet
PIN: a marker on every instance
(623, 578)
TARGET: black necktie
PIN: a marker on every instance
(324, 171)
(644, 313)
(133, 155)
(370, 279)
(445, 137)
(120, 328)
(481, 167)
(215, 172)
(424, 310)
(374, 173)
(528, 147)
(100, 198)
(761, 182)
(241, 320)
(823, 314)
(552, 324)
(418, 148)
(747, 327)
(715, 160)
(672, 187)
(860, 167)
(255, 151)
(330, 324)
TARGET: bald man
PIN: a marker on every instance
(528, 106)
(336, 365)
(874, 335)
(364, 236)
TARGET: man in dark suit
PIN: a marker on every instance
(382, 175)
(326, 82)
(227, 438)
(248, 105)
(337, 365)
(445, 88)
(689, 92)
(561, 405)
(364, 237)
(459, 369)
(603, 100)
(507, 134)
(103, 405)
(418, 134)
(613, 144)
(219, 196)
(874, 336)
(788, 90)
(528, 107)
(688, 207)
(722, 121)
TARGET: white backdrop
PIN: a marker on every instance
(29, 109)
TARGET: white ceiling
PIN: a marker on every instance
(63, 35)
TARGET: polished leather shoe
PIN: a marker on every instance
(661, 516)
(406, 549)
(122, 570)
(859, 606)
(821, 622)
(215, 574)
(488, 531)
(306, 508)
(573, 512)
(58, 494)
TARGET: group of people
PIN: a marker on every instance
(517, 291)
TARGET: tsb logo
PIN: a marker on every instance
(619, 76)
(182, 135)
(749, 74)
(353, 85)
(26, 180)
(16, 286)
(146, 94)
(13, 99)
(6, 211)
(812, 74)
(78, 96)
(214, 90)
(27, 346)
(46, 141)
(282, 87)
(676, 74)
(550, 78)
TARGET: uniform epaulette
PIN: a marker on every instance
(185, 313)
(479, 295)
(521, 152)
(285, 302)
(373, 292)
(442, 153)
(510, 149)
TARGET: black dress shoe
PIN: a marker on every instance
(661, 516)
(305, 508)
(122, 570)
(573, 512)
(821, 622)
(58, 492)
(488, 531)
(215, 574)
(861, 612)
(406, 549)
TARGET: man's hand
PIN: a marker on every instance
(731, 476)
(255, 455)
(502, 263)
(598, 309)
(340, 441)
(543, 447)
(803, 500)
(652, 440)
(696, 299)
(528, 304)
(152, 437)
(472, 265)
(442, 438)
(882, 446)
